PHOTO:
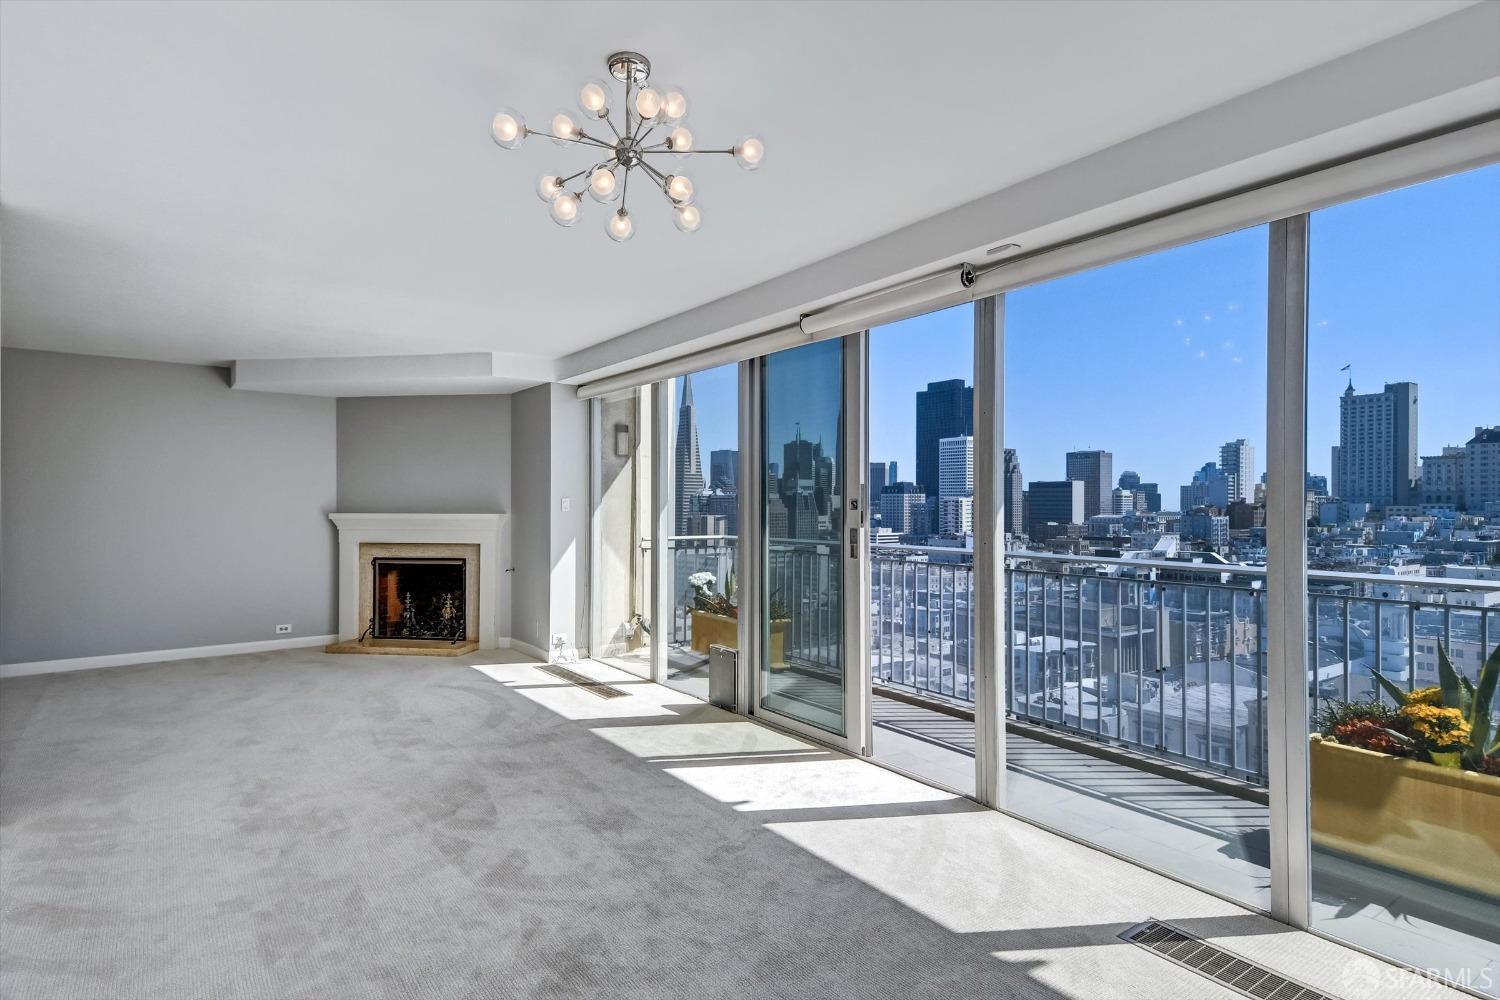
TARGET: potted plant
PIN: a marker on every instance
(714, 618)
(1414, 786)
(1468, 708)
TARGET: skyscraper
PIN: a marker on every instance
(687, 465)
(956, 466)
(1055, 503)
(878, 482)
(1129, 480)
(807, 487)
(722, 505)
(1209, 488)
(1015, 490)
(944, 409)
(903, 509)
(723, 468)
(1095, 470)
(956, 515)
(1237, 463)
(1377, 449)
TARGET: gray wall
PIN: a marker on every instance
(430, 455)
(148, 506)
(424, 454)
(531, 477)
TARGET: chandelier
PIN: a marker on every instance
(652, 126)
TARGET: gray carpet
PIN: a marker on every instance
(300, 825)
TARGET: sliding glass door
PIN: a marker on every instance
(809, 659)
(921, 473)
(1403, 586)
(701, 563)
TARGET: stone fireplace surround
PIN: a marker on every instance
(475, 537)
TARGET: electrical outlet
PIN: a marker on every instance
(283, 630)
(567, 503)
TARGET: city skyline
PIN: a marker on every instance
(1175, 318)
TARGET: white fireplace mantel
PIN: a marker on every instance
(482, 530)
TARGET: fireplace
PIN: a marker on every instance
(373, 609)
(417, 598)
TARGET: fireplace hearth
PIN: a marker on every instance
(418, 599)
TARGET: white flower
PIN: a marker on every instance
(702, 581)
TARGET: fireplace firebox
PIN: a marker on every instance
(418, 599)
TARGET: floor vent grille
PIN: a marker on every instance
(1223, 967)
(590, 685)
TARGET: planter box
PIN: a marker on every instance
(708, 629)
(1438, 823)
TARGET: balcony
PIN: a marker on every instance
(1137, 697)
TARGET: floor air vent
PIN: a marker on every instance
(1223, 967)
(590, 685)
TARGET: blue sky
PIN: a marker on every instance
(1162, 359)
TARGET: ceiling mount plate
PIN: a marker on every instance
(631, 67)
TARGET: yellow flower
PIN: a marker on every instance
(1442, 727)
(1426, 696)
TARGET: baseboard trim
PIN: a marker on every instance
(524, 647)
(159, 655)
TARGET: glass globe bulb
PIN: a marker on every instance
(680, 141)
(620, 227)
(680, 189)
(563, 127)
(750, 152)
(687, 218)
(674, 104)
(648, 104)
(508, 128)
(548, 188)
(593, 99)
(603, 185)
(565, 209)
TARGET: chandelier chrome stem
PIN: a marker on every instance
(585, 141)
(648, 110)
(660, 177)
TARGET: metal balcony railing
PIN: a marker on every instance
(1166, 657)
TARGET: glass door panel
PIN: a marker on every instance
(920, 485)
(702, 557)
(1135, 547)
(804, 659)
(1403, 357)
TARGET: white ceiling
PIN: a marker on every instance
(214, 181)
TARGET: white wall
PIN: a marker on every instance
(148, 506)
